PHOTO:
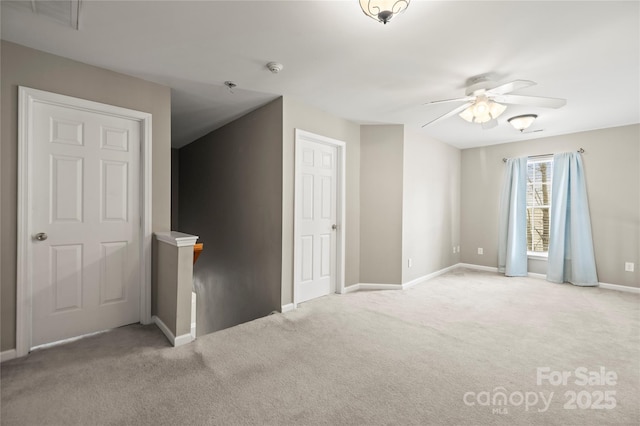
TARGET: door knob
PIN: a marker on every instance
(334, 226)
(41, 236)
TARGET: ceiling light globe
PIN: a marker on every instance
(467, 114)
(522, 122)
(496, 109)
(383, 10)
(482, 118)
(481, 108)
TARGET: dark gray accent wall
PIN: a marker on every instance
(230, 188)
(175, 178)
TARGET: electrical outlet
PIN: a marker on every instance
(409, 263)
(458, 249)
(480, 250)
(454, 249)
(629, 266)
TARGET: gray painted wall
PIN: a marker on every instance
(22, 66)
(174, 286)
(431, 206)
(167, 284)
(381, 173)
(297, 115)
(231, 197)
(612, 169)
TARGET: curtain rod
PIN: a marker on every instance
(581, 151)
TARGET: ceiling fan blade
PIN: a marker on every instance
(450, 113)
(466, 98)
(490, 124)
(537, 101)
(510, 87)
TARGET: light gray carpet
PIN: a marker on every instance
(365, 358)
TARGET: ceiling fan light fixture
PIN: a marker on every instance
(383, 10)
(483, 110)
(467, 114)
(496, 109)
(480, 104)
(522, 122)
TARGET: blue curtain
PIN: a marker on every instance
(571, 255)
(512, 225)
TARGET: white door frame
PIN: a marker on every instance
(340, 146)
(27, 98)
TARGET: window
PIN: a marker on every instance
(539, 177)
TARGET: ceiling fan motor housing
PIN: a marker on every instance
(479, 85)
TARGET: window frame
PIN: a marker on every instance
(538, 255)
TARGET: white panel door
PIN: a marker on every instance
(315, 257)
(85, 217)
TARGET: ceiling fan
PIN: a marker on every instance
(484, 99)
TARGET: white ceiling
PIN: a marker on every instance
(337, 59)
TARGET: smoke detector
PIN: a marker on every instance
(275, 67)
(230, 85)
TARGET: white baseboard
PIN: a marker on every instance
(374, 286)
(618, 287)
(377, 286)
(416, 281)
(429, 276)
(194, 305)
(175, 341)
(535, 275)
(477, 267)
(183, 340)
(288, 307)
(7, 355)
(371, 286)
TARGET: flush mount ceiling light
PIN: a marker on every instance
(383, 10)
(521, 122)
(482, 110)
